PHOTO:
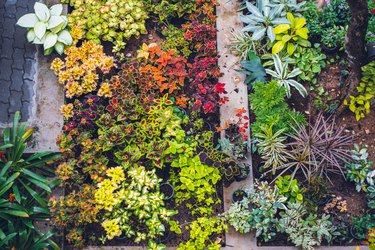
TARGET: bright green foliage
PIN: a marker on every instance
(360, 170)
(132, 195)
(360, 104)
(253, 69)
(110, 20)
(262, 19)
(305, 232)
(270, 109)
(285, 78)
(291, 35)
(371, 196)
(167, 9)
(289, 188)
(24, 186)
(47, 27)
(152, 245)
(310, 61)
(196, 181)
(201, 232)
(242, 45)
(175, 39)
(271, 147)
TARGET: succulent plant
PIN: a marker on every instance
(47, 27)
(262, 19)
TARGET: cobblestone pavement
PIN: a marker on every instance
(17, 61)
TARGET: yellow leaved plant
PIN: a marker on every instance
(291, 35)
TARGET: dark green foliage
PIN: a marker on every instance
(267, 102)
(23, 189)
(253, 69)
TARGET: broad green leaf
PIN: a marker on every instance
(290, 48)
(55, 21)
(7, 238)
(303, 32)
(30, 35)
(281, 28)
(277, 47)
(42, 12)
(285, 38)
(259, 34)
(27, 21)
(65, 37)
(40, 30)
(50, 41)
(58, 28)
(56, 9)
(40, 184)
(254, 10)
(35, 176)
(299, 23)
(290, 17)
(15, 213)
(299, 87)
(271, 34)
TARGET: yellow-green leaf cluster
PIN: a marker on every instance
(291, 35)
(360, 104)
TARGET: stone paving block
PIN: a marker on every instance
(30, 50)
(8, 27)
(20, 12)
(18, 60)
(22, 3)
(17, 80)
(10, 6)
(28, 92)
(25, 111)
(4, 114)
(4, 92)
(29, 69)
(7, 48)
(20, 37)
(15, 101)
(5, 69)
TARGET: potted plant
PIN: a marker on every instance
(333, 38)
(168, 191)
(244, 170)
(238, 195)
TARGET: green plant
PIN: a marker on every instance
(284, 77)
(266, 202)
(271, 146)
(360, 105)
(291, 6)
(305, 230)
(289, 188)
(267, 102)
(175, 39)
(334, 37)
(110, 20)
(253, 69)
(310, 61)
(166, 9)
(262, 19)
(359, 170)
(241, 44)
(361, 225)
(24, 186)
(371, 197)
(47, 27)
(237, 216)
(196, 181)
(201, 232)
(291, 35)
(135, 195)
